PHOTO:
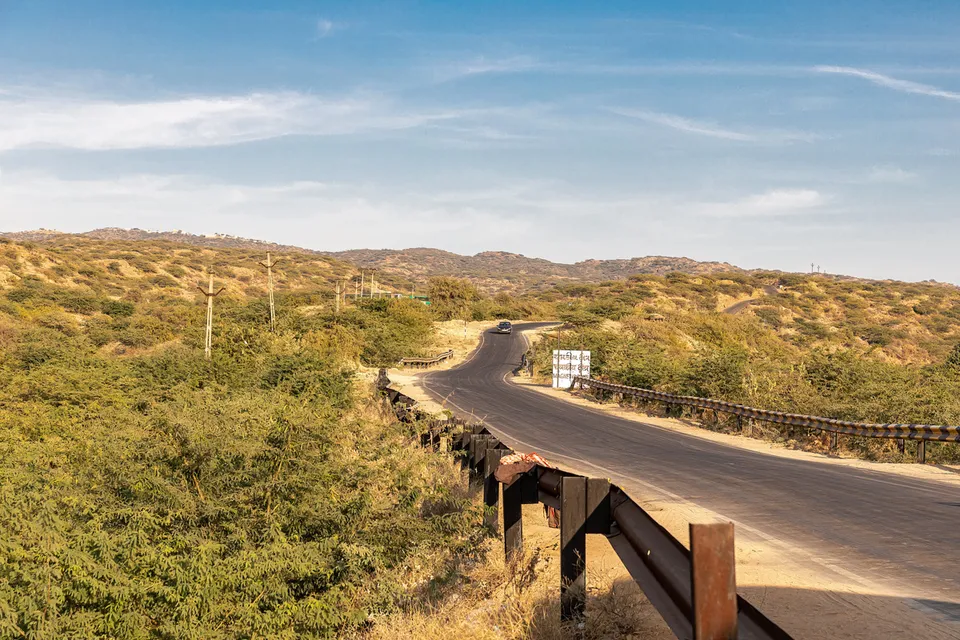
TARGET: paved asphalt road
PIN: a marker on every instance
(890, 529)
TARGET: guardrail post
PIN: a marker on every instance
(479, 447)
(598, 515)
(835, 441)
(714, 583)
(491, 488)
(921, 451)
(573, 547)
(465, 438)
(513, 519)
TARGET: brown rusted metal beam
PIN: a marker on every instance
(714, 582)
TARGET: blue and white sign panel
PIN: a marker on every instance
(568, 364)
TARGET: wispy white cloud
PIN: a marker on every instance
(776, 202)
(686, 125)
(890, 175)
(49, 121)
(326, 27)
(204, 205)
(711, 129)
(906, 86)
(483, 213)
(483, 65)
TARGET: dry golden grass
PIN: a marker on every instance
(488, 600)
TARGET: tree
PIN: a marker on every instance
(953, 360)
(451, 297)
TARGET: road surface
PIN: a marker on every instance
(896, 531)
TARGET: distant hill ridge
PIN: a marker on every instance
(217, 240)
(516, 271)
(491, 271)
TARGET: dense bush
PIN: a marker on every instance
(162, 495)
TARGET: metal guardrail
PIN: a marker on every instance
(693, 590)
(920, 432)
(426, 362)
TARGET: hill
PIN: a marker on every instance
(490, 271)
(904, 322)
(501, 271)
(214, 241)
(124, 268)
(860, 350)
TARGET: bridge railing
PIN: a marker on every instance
(426, 362)
(694, 590)
(919, 432)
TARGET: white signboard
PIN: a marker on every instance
(568, 364)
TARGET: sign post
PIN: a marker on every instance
(567, 364)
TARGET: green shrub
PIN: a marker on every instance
(163, 281)
(117, 308)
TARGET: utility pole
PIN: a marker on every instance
(361, 283)
(356, 289)
(338, 297)
(210, 295)
(269, 267)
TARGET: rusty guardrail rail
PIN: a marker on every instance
(693, 590)
(426, 362)
(919, 432)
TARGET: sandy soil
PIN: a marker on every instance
(604, 569)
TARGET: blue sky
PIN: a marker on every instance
(765, 134)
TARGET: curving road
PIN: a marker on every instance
(898, 532)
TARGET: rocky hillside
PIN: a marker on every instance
(133, 270)
(903, 322)
(491, 271)
(495, 271)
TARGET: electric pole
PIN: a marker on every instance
(269, 267)
(338, 297)
(361, 283)
(210, 295)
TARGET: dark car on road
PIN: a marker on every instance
(504, 327)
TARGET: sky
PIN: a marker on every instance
(765, 134)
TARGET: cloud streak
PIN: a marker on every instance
(195, 122)
(905, 86)
(710, 129)
(775, 202)
(686, 125)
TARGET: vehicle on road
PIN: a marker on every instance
(504, 327)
